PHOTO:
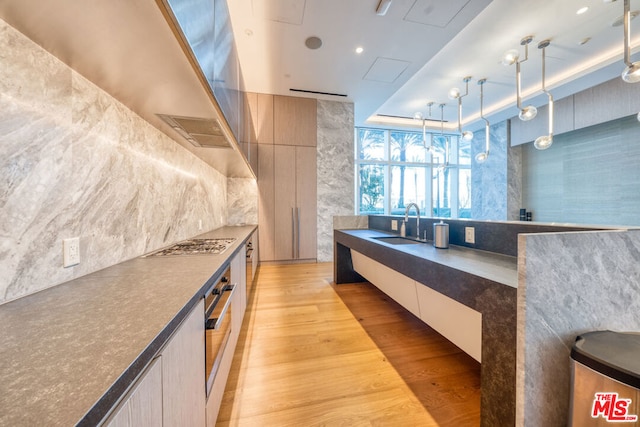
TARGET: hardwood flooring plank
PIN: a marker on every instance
(312, 354)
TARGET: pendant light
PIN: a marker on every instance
(455, 94)
(545, 141)
(445, 162)
(482, 157)
(430, 148)
(631, 74)
(513, 57)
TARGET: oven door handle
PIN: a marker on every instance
(215, 319)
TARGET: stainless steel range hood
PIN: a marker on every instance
(205, 133)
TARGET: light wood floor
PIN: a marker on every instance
(311, 353)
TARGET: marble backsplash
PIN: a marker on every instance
(335, 170)
(242, 201)
(76, 162)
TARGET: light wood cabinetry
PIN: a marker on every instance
(295, 204)
(307, 202)
(295, 120)
(287, 181)
(266, 201)
(250, 106)
(239, 279)
(259, 117)
(171, 392)
(238, 307)
(264, 121)
(143, 405)
(183, 379)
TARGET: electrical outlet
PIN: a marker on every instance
(71, 252)
(470, 235)
(394, 225)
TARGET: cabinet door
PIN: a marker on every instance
(143, 406)
(295, 120)
(183, 381)
(239, 279)
(264, 119)
(250, 111)
(285, 201)
(266, 200)
(306, 202)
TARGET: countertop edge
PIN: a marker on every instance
(102, 408)
(511, 282)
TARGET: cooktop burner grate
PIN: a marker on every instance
(196, 247)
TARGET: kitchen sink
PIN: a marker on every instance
(398, 240)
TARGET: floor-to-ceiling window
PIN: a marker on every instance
(396, 167)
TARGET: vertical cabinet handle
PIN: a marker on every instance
(293, 234)
(298, 232)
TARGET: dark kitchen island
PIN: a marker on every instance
(483, 281)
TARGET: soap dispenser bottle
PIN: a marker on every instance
(403, 229)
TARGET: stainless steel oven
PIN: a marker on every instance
(250, 265)
(218, 315)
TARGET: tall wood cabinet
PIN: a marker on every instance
(287, 178)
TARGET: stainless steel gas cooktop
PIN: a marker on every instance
(196, 247)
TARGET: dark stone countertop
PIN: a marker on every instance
(69, 352)
(484, 281)
(492, 266)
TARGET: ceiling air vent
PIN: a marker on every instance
(206, 133)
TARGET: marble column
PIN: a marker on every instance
(335, 170)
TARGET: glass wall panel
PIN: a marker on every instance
(371, 143)
(442, 192)
(464, 193)
(371, 186)
(394, 168)
(407, 147)
(408, 184)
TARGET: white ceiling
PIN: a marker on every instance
(422, 48)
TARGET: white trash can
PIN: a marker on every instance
(605, 379)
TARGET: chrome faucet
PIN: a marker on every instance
(406, 217)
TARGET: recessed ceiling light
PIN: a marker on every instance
(313, 42)
(582, 10)
(359, 49)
